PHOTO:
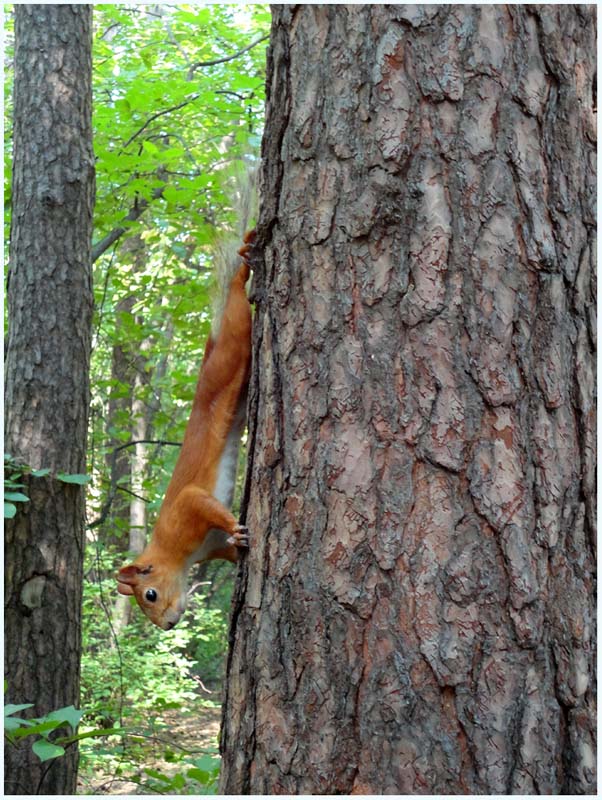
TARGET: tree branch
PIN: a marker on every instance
(135, 213)
(133, 494)
(202, 64)
(160, 114)
(144, 441)
(104, 513)
(103, 245)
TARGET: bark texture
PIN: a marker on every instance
(47, 392)
(416, 612)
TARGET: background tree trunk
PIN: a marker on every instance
(47, 391)
(416, 613)
(130, 368)
(122, 610)
(119, 414)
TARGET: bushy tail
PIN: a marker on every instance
(241, 189)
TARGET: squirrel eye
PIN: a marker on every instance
(151, 595)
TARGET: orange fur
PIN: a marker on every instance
(190, 510)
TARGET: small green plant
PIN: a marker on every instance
(12, 495)
(14, 471)
(16, 728)
(199, 777)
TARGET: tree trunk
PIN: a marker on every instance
(129, 367)
(416, 612)
(138, 469)
(119, 412)
(47, 391)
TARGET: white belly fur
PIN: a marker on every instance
(224, 486)
(226, 471)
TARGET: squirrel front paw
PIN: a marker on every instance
(240, 537)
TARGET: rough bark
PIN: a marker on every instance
(416, 612)
(47, 392)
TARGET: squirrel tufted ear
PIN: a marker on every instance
(129, 575)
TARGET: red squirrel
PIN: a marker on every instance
(194, 522)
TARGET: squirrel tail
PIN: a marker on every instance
(241, 190)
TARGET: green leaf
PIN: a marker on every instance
(9, 510)
(199, 775)
(12, 724)
(171, 194)
(46, 750)
(74, 478)
(124, 107)
(150, 147)
(207, 762)
(178, 781)
(11, 708)
(69, 714)
(16, 497)
(11, 483)
(147, 59)
(41, 727)
(39, 473)
(152, 773)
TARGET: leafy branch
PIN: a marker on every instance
(158, 114)
(134, 214)
(204, 64)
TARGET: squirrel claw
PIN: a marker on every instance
(248, 240)
(240, 537)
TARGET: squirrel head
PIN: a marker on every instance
(160, 591)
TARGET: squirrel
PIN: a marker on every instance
(194, 522)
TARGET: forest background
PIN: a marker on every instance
(178, 102)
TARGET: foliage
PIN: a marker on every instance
(193, 775)
(196, 775)
(14, 471)
(12, 485)
(144, 669)
(199, 776)
(45, 748)
(133, 679)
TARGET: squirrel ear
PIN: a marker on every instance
(124, 588)
(129, 575)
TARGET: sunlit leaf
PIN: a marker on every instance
(46, 750)
(9, 510)
(73, 478)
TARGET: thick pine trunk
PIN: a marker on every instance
(416, 613)
(47, 391)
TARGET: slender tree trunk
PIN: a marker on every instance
(118, 417)
(138, 469)
(416, 612)
(130, 365)
(47, 391)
